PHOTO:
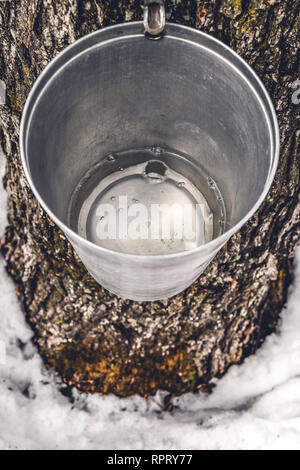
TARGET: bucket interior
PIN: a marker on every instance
(124, 103)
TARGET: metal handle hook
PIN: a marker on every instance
(154, 17)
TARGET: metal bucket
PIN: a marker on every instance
(182, 119)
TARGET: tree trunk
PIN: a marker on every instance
(93, 339)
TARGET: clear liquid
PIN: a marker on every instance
(150, 201)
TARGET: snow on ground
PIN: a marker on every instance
(255, 406)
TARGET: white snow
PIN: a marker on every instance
(255, 406)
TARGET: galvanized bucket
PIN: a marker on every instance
(119, 119)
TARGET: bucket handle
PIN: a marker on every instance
(154, 18)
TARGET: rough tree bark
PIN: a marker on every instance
(99, 342)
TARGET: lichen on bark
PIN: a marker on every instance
(101, 343)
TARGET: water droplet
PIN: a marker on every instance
(180, 184)
(121, 169)
(113, 198)
(156, 149)
(211, 182)
(111, 158)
